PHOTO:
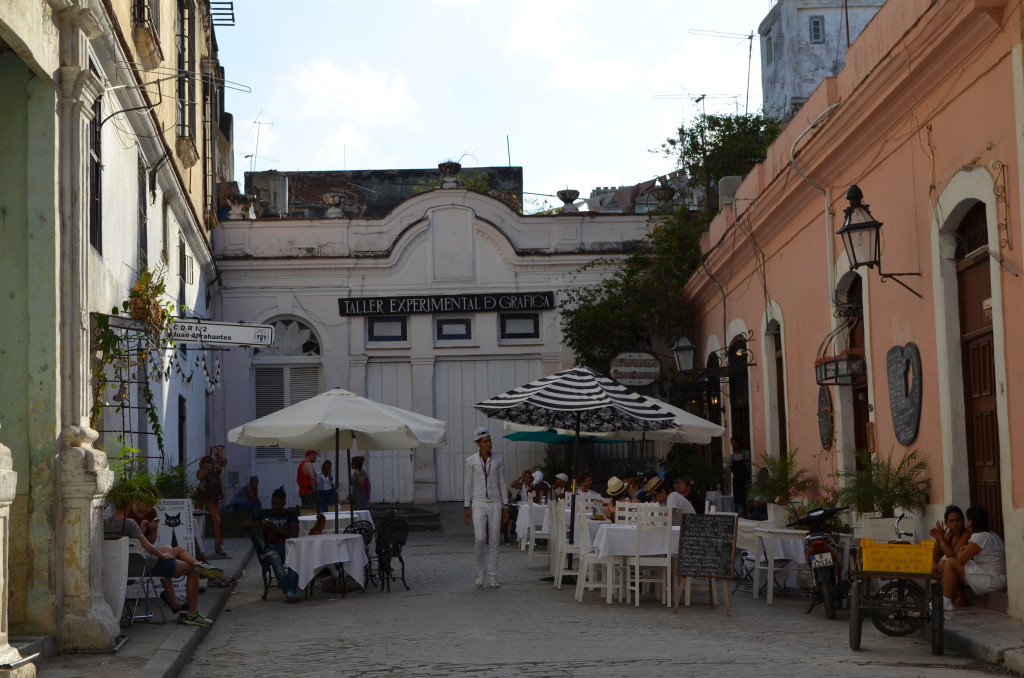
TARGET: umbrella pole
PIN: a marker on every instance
(337, 444)
(572, 506)
(351, 494)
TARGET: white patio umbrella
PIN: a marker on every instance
(335, 419)
(575, 400)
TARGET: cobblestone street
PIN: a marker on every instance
(444, 626)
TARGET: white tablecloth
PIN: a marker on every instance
(540, 522)
(306, 522)
(620, 540)
(306, 555)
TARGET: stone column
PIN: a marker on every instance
(8, 488)
(87, 622)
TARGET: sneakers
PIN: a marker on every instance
(196, 619)
(292, 596)
(480, 580)
(208, 571)
(494, 583)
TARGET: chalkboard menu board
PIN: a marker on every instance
(707, 545)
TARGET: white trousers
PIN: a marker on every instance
(487, 521)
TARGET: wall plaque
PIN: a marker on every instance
(903, 367)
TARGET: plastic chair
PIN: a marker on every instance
(265, 570)
(390, 541)
(651, 568)
(365, 529)
(139, 575)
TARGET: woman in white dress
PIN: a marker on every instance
(980, 564)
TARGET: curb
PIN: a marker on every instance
(174, 653)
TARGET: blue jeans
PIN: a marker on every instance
(326, 497)
(287, 579)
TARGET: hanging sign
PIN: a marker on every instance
(903, 368)
(191, 331)
(635, 368)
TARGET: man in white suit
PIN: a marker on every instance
(486, 505)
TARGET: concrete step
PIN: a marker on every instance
(420, 518)
(30, 645)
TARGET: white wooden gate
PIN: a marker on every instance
(458, 385)
(391, 471)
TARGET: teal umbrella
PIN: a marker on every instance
(551, 437)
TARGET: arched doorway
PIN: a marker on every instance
(284, 374)
(974, 299)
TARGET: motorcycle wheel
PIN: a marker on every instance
(856, 616)
(824, 575)
(895, 619)
(938, 639)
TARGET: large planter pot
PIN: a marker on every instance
(778, 515)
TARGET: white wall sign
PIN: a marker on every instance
(635, 368)
(189, 331)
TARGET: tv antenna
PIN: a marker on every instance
(258, 124)
(750, 54)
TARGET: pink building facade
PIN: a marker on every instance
(927, 118)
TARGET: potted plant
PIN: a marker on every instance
(134, 485)
(780, 480)
(887, 486)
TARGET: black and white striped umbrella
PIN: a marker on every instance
(578, 399)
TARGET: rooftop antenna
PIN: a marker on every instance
(750, 54)
(258, 124)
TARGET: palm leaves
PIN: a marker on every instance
(885, 486)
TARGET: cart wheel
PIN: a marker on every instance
(856, 616)
(896, 618)
(938, 616)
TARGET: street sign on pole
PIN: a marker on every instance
(207, 333)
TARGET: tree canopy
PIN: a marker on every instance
(641, 304)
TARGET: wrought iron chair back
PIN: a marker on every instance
(266, 571)
(390, 541)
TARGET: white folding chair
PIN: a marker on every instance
(651, 562)
(139, 576)
(746, 546)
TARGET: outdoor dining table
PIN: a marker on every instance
(723, 503)
(307, 555)
(613, 540)
(539, 512)
(306, 522)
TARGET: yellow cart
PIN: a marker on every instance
(896, 588)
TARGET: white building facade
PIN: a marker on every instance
(449, 299)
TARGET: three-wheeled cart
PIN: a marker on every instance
(896, 589)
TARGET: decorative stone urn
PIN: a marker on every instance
(664, 193)
(449, 169)
(568, 197)
(239, 207)
(334, 201)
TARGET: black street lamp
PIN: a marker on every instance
(683, 353)
(860, 233)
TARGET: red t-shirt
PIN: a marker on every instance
(304, 481)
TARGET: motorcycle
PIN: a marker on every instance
(829, 584)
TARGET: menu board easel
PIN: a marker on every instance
(707, 548)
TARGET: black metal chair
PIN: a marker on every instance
(364, 528)
(390, 541)
(140, 580)
(265, 569)
(387, 518)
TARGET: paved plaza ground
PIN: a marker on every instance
(444, 626)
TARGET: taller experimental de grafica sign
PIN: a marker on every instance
(447, 303)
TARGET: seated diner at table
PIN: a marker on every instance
(617, 495)
(678, 502)
(950, 535)
(584, 483)
(980, 564)
(523, 484)
(540, 491)
(560, 486)
(278, 525)
(688, 489)
(656, 490)
(632, 485)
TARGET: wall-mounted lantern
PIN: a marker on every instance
(860, 233)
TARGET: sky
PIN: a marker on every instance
(576, 92)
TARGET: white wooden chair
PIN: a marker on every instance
(653, 533)
(563, 548)
(533, 533)
(595, 574)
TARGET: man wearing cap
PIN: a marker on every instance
(560, 487)
(305, 476)
(485, 506)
